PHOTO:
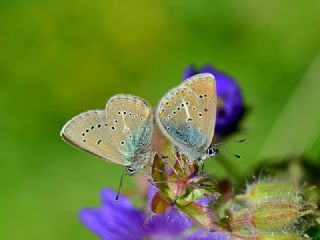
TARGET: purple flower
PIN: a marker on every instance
(121, 220)
(230, 107)
(113, 220)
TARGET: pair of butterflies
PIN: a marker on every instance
(122, 133)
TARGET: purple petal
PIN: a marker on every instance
(189, 72)
(169, 223)
(208, 69)
(152, 191)
(203, 235)
(115, 220)
(108, 198)
(93, 220)
(230, 112)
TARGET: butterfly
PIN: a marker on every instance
(186, 115)
(121, 134)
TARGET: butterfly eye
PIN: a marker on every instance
(212, 151)
(130, 170)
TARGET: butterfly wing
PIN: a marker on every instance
(131, 123)
(121, 134)
(89, 132)
(187, 113)
(204, 85)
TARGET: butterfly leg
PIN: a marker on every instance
(151, 182)
(174, 201)
(202, 168)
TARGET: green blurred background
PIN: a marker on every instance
(59, 58)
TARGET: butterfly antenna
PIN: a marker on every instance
(229, 153)
(202, 167)
(120, 186)
(228, 142)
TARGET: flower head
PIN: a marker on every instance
(230, 107)
(121, 220)
(184, 188)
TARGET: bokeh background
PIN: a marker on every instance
(59, 58)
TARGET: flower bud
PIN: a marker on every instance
(279, 236)
(275, 215)
(270, 210)
(265, 190)
(245, 234)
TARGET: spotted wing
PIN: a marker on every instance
(90, 132)
(131, 122)
(187, 113)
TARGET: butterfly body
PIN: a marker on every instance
(121, 134)
(187, 113)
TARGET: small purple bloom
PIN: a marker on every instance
(113, 220)
(171, 223)
(121, 220)
(230, 107)
(203, 235)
